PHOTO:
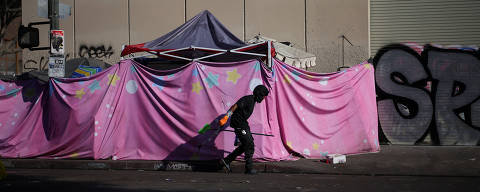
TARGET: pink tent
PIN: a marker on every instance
(130, 111)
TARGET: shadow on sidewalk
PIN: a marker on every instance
(198, 154)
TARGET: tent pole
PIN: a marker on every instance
(123, 47)
(173, 50)
(209, 49)
(248, 46)
(269, 55)
(247, 53)
(174, 56)
(208, 56)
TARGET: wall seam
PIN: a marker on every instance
(74, 29)
(129, 27)
(368, 32)
(244, 22)
(305, 25)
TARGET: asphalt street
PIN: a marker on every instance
(134, 180)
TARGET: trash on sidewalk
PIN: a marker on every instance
(336, 158)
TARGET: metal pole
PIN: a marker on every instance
(343, 50)
(252, 133)
(53, 14)
(269, 55)
(56, 60)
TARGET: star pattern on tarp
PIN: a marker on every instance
(195, 72)
(367, 66)
(324, 81)
(79, 93)
(289, 144)
(94, 86)
(131, 86)
(112, 79)
(286, 79)
(74, 155)
(315, 146)
(197, 87)
(159, 82)
(132, 69)
(256, 66)
(212, 80)
(13, 92)
(296, 75)
(306, 152)
(233, 76)
(324, 153)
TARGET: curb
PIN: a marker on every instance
(432, 161)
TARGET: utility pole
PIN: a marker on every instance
(53, 14)
(28, 37)
(56, 62)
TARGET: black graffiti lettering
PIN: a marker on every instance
(40, 64)
(406, 107)
(96, 52)
(406, 113)
(458, 80)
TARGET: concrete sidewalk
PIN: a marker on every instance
(391, 160)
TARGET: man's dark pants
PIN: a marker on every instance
(246, 146)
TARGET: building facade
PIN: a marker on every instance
(98, 29)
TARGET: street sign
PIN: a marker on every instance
(56, 66)
(57, 42)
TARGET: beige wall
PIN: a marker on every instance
(150, 19)
(36, 59)
(327, 20)
(228, 12)
(101, 27)
(283, 20)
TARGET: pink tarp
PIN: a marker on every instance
(132, 112)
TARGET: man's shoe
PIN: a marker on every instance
(225, 164)
(251, 172)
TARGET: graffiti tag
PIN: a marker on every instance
(96, 52)
(437, 92)
(39, 64)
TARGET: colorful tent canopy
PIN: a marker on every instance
(201, 37)
(129, 111)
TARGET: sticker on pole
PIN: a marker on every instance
(57, 42)
(56, 66)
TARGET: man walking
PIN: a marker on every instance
(240, 112)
